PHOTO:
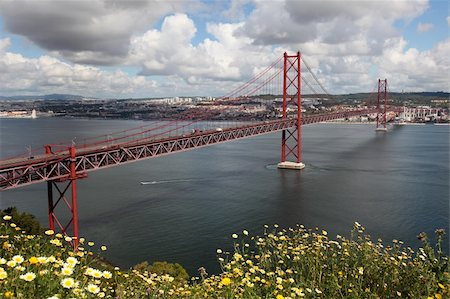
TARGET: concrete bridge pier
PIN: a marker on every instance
(291, 165)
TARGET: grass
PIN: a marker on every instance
(283, 263)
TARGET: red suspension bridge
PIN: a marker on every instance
(61, 165)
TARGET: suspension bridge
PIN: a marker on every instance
(60, 166)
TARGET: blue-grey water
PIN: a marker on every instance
(395, 184)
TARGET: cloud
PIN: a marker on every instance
(331, 22)
(424, 27)
(414, 70)
(93, 32)
(170, 51)
(236, 10)
(46, 74)
(347, 47)
(4, 44)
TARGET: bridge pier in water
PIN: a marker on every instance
(291, 139)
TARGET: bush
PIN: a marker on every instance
(26, 221)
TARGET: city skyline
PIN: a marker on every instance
(179, 48)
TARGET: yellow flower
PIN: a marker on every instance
(42, 259)
(107, 274)
(361, 270)
(97, 273)
(441, 286)
(51, 259)
(225, 281)
(66, 271)
(33, 260)
(7, 217)
(438, 296)
(18, 259)
(234, 236)
(103, 248)
(68, 283)
(29, 276)
(67, 238)
(89, 271)
(56, 242)
(92, 288)
(6, 245)
(3, 274)
(72, 261)
(11, 264)
(91, 243)
(280, 296)
(8, 294)
(49, 232)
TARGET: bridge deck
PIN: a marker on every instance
(25, 171)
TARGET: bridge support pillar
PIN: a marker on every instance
(382, 105)
(291, 141)
(66, 195)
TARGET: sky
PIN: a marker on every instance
(150, 48)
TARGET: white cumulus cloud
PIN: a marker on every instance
(46, 74)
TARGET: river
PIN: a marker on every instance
(396, 184)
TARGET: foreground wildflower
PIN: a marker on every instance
(66, 271)
(72, 261)
(18, 259)
(107, 274)
(92, 288)
(225, 281)
(68, 283)
(29, 276)
(33, 260)
(3, 274)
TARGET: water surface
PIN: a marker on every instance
(395, 184)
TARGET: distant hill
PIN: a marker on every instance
(50, 97)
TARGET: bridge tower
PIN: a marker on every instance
(291, 142)
(66, 198)
(382, 105)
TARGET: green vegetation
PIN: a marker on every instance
(27, 222)
(164, 268)
(292, 263)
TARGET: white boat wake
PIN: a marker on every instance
(170, 181)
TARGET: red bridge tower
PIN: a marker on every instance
(291, 140)
(382, 105)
